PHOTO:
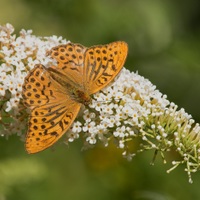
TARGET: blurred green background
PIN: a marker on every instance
(164, 46)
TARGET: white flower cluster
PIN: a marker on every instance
(18, 55)
(118, 109)
(129, 108)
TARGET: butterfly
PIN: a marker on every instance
(54, 95)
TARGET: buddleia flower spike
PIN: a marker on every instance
(113, 103)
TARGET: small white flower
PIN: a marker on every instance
(91, 139)
(31, 62)
(97, 105)
(87, 116)
(120, 132)
(11, 104)
(25, 33)
(108, 109)
(89, 127)
(71, 136)
(108, 122)
(6, 51)
(2, 90)
(130, 131)
(76, 128)
(121, 144)
(119, 114)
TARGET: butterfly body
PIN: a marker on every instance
(82, 97)
(54, 95)
(76, 92)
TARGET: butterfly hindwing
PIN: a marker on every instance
(48, 123)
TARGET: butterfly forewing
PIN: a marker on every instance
(102, 64)
(70, 60)
(37, 87)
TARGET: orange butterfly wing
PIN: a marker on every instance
(52, 110)
(90, 69)
(70, 62)
(102, 64)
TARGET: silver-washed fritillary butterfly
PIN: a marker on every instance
(54, 95)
